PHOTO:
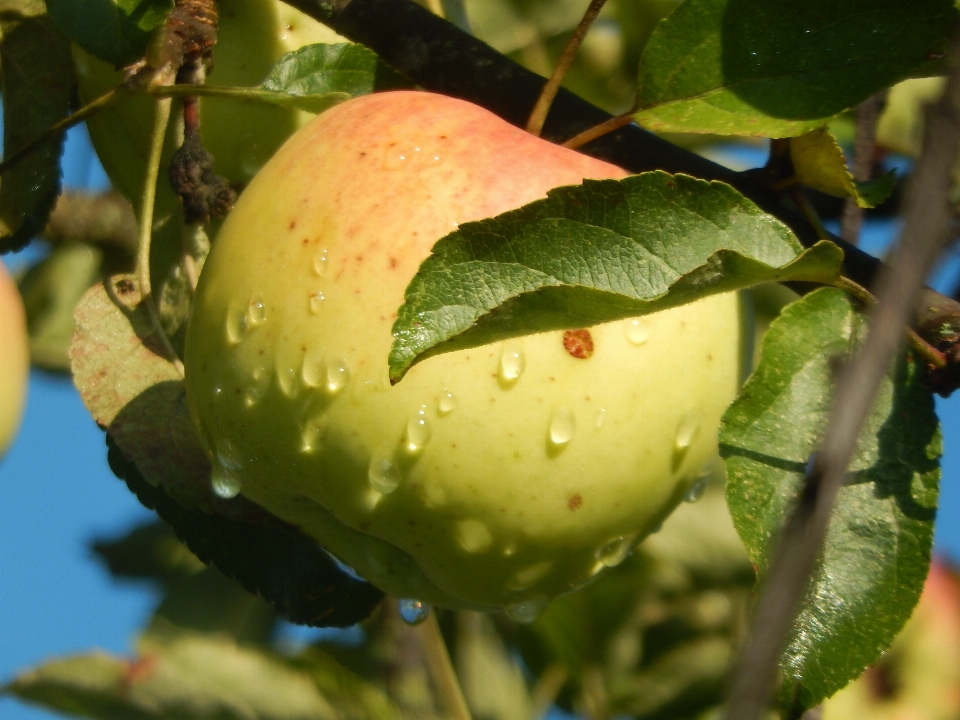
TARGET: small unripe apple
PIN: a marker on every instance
(14, 359)
(241, 134)
(499, 476)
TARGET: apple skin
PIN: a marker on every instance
(241, 135)
(14, 359)
(304, 281)
(919, 676)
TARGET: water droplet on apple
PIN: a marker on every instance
(316, 302)
(383, 475)
(696, 491)
(256, 312)
(525, 612)
(338, 375)
(312, 369)
(287, 380)
(601, 418)
(615, 551)
(413, 612)
(512, 362)
(638, 330)
(562, 426)
(320, 263)
(236, 325)
(259, 382)
(312, 432)
(224, 483)
(447, 402)
(217, 391)
(687, 431)
(473, 536)
(525, 578)
(418, 431)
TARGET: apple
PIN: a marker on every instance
(499, 476)
(241, 135)
(918, 678)
(14, 359)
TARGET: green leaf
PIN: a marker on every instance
(878, 546)
(320, 69)
(149, 551)
(764, 67)
(594, 253)
(38, 85)
(354, 697)
(51, 290)
(187, 677)
(818, 163)
(116, 31)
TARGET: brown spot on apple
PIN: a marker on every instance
(579, 343)
(293, 224)
(575, 501)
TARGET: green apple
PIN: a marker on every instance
(240, 134)
(14, 359)
(499, 476)
(918, 678)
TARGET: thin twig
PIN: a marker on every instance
(160, 120)
(926, 230)
(57, 129)
(546, 689)
(808, 211)
(868, 114)
(539, 114)
(591, 134)
(441, 669)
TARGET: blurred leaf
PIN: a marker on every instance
(818, 163)
(748, 67)
(189, 677)
(510, 25)
(51, 290)
(878, 546)
(210, 602)
(265, 555)
(900, 128)
(38, 85)
(594, 253)
(149, 551)
(136, 393)
(354, 697)
(116, 31)
(491, 677)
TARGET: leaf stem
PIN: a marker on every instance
(58, 128)
(808, 211)
(607, 126)
(539, 113)
(160, 120)
(441, 669)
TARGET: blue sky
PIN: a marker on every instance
(57, 493)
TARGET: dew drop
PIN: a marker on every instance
(418, 431)
(638, 330)
(601, 418)
(224, 482)
(473, 536)
(696, 490)
(217, 391)
(614, 552)
(256, 312)
(257, 387)
(413, 612)
(383, 475)
(687, 431)
(312, 432)
(316, 302)
(512, 362)
(562, 426)
(320, 263)
(525, 612)
(236, 325)
(525, 578)
(287, 380)
(312, 369)
(447, 403)
(338, 375)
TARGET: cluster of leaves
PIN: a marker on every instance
(653, 638)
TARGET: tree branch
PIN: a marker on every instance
(441, 58)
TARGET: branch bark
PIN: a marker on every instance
(441, 58)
